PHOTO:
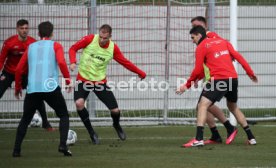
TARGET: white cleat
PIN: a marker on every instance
(252, 142)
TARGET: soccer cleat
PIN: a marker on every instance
(120, 132)
(193, 143)
(211, 141)
(231, 137)
(94, 138)
(48, 127)
(16, 154)
(198, 143)
(65, 151)
(251, 142)
(189, 144)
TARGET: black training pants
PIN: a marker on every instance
(56, 101)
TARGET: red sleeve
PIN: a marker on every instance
(198, 71)
(61, 62)
(240, 59)
(22, 68)
(85, 41)
(3, 54)
(212, 35)
(119, 57)
(201, 75)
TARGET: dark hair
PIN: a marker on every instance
(106, 27)
(199, 18)
(199, 30)
(21, 22)
(45, 29)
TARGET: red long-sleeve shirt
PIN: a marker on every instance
(212, 34)
(12, 52)
(217, 55)
(209, 35)
(22, 66)
(117, 56)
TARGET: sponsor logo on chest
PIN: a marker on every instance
(97, 57)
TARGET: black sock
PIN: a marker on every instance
(199, 133)
(86, 121)
(229, 127)
(215, 133)
(116, 117)
(248, 133)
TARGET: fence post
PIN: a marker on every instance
(167, 48)
(92, 29)
(233, 40)
(211, 15)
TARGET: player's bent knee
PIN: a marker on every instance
(80, 104)
(115, 110)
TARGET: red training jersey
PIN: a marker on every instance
(12, 52)
(22, 67)
(212, 34)
(217, 54)
(117, 56)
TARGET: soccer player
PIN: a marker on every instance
(12, 51)
(213, 110)
(42, 60)
(217, 55)
(98, 50)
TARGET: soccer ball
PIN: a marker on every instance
(36, 121)
(71, 138)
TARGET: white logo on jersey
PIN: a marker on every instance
(220, 53)
(217, 55)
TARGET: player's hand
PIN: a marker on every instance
(181, 89)
(69, 85)
(3, 77)
(72, 66)
(18, 94)
(142, 75)
(254, 78)
(196, 83)
(69, 88)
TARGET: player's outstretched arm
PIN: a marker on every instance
(119, 57)
(242, 61)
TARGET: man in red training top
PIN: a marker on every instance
(217, 55)
(11, 53)
(201, 21)
(213, 110)
(98, 51)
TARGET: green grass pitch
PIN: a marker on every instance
(146, 147)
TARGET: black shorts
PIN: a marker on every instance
(102, 91)
(7, 81)
(217, 89)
